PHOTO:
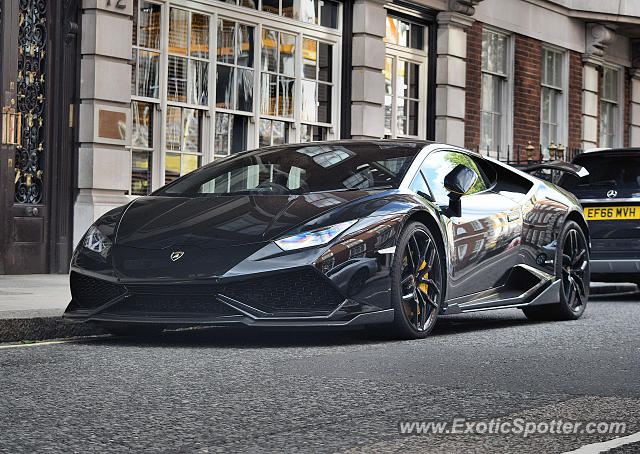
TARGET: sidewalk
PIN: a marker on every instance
(31, 306)
(35, 295)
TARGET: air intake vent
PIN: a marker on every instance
(88, 292)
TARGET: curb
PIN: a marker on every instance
(41, 328)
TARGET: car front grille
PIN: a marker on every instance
(88, 292)
(171, 305)
(298, 291)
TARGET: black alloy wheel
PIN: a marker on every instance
(575, 261)
(417, 282)
(573, 270)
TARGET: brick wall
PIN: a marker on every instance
(626, 107)
(575, 100)
(474, 86)
(527, 91)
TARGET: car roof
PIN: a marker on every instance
(612, 150)
(609, 152)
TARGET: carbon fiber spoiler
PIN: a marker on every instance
(561, 166)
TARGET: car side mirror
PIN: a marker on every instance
(459, 182)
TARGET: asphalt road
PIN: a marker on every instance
(217, 390)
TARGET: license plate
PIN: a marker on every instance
(611, 213)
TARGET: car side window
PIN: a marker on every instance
(420, 185)
(439, 163)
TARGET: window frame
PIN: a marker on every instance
(617, 105)
(563, 105)
(258, 19)
(156, 103)
(478, 160)
(204, 146)
(409, 55)
(506, 122)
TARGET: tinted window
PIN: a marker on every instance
(301, 169)
(438, 164)
(621, 172)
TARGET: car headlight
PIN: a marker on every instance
(96, 241)
(313, 238)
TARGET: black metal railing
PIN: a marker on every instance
(525, 155)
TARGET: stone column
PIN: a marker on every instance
(104, 166)
(451, 77)
(367, 89)
(598, 37)
(634, 107)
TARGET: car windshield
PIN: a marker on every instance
(300, 170)
(621, 172)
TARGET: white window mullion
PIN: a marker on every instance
(394, 97)
(213, 65)
(137, 65)
(257, 98)
(297, 84)
(336, 87)
(422, 106)
(159, 155)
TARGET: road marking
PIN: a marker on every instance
(604, 446)
(36, 344)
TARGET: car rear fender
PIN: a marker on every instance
(578, 218)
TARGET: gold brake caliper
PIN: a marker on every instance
(423, 286)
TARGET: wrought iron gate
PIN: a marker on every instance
(39, 74)
(30, 98)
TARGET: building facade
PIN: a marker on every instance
(107, 100)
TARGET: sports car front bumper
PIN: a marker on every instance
(300, 297)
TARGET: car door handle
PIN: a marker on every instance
(513, 216)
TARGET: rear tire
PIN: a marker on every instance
(572, 269)
(417, 282)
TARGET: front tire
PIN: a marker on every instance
(417, 282)
(572, 269)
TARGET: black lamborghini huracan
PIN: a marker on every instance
(334, 234)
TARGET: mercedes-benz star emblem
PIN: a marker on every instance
(612, 193)
(176, 255)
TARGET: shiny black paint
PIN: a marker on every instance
(230, 239)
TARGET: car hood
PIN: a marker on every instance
(221, 221)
